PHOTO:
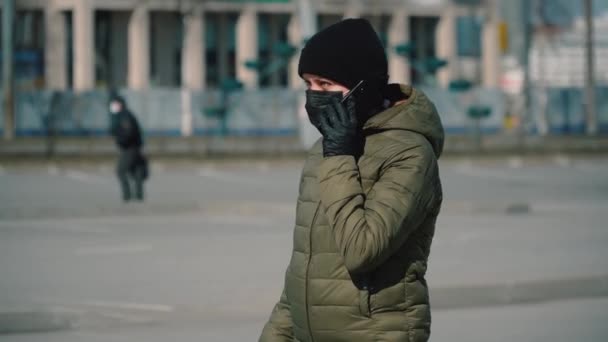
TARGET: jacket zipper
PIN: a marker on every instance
(365, 296)
(314, 218)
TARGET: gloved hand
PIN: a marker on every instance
(341, 130)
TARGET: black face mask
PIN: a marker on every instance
(316, 101)
(368, 101)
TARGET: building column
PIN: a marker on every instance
(445, 45)
(398, 33)
(294, 35)
(193, 66)
(139, 49)
(490, 49)
(193, 56)
(84, 46)
(55, 61)
(247, 46)
(353, 9)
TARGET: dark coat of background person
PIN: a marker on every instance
(132, 166)
(363, 233)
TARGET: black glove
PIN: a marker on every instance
(342, 133)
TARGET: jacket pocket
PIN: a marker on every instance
(364, 303)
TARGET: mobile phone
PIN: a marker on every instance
(352, 91)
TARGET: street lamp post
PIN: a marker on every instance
(8, 82)
(590, 107)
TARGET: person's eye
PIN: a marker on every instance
(325, 84)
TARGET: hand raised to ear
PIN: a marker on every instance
(342, 134)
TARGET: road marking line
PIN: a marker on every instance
(59, 227)
(562, 161)
(590, 167)
(497, 174)
(263, 167)
(465, 165)
(515, 163)
(223, 176)
(158, 167)
(239, 220)
(112, 250)
(100, 336)
(467, 237)
(105, 169)
(469, 170)
(83, 230)
(66, 310)
(53, 170)
(84, 177)
(130, 306)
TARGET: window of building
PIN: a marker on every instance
(272, 30)
(29, 30)
(29, 48)
(380, 24)
(422, 36)
(111, 48)
(166, 30)
(325, 20)
(69, 46)
(220, 50)
(468, 33)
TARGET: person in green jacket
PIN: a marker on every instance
(368, 200)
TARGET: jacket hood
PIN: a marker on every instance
(417, 114)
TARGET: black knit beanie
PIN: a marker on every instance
(115, 97)
(346, 52)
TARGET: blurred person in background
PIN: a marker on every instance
(132, 165)
(369, 197)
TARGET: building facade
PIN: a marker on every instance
(139, 44)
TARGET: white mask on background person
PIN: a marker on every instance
(115, 107)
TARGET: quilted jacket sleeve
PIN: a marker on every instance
(279, 326)
(368, 230)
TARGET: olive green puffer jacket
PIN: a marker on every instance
(363, 235)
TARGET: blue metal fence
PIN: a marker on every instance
(266, 111)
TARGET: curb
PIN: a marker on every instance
(203, 147)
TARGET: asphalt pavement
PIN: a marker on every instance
(520, 251)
